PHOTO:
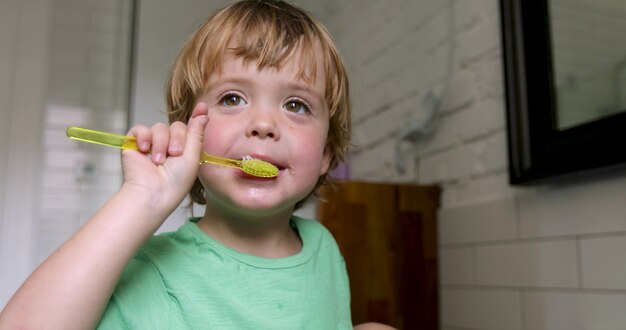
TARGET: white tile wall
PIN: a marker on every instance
(584, 310)
(603, 267)
(24, 48)
(86, 82)
(596, 206)
(530, 264)
(494, 220)
(548, 257)
(481, 309)
(456, 266)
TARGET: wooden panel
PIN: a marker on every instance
(387, 234)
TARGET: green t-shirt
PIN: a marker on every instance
(187, 280)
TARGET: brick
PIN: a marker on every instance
(375, 165)
(496, 156)
(432, 67)
(474, 42)
(460, 92)
(103, 81)
(450, 165)
(58, 221)
(482, 118)
(71, 59)
(478, 222)
(58, 179)
(60, 202)
(101, 40)
(589, 206)
(490, 76)
(476, 190)
(70, 39)
(69, 97)
(481, 309)
(456, 266)
(102, 60)
(534, 264)
(110, 5)
(66, 159)
(603, 266)
(483, 156)
(574, 310)
(55, 137)
(66, 78)
(444, 134)
(100, 100)
(75, 17)
(396, 120)
(106, 21)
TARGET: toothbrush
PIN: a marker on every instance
(255, 167)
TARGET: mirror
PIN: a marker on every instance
(565, 74)
(589, 59)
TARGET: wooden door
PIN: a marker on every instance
(387, 234)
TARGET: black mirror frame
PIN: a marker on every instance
(538, 151)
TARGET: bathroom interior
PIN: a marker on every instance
(487, 149)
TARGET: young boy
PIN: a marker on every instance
(260, 79)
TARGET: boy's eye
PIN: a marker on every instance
(232, 100)
(296, 106)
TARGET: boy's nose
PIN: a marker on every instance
(263, 125)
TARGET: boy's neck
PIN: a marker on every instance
(268, 237)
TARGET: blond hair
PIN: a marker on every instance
(271, 33)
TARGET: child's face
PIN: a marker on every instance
(271, 115)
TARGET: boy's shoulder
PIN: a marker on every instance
(314, 231)
(310, 226)
(166, 241)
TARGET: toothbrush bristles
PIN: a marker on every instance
(258, 167)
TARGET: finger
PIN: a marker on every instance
(178, 132)
(144, 137)
(160, 141)
(195, 130)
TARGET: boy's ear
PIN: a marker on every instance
(328, 156)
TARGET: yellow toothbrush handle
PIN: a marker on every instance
(254, 167)
(104, 138)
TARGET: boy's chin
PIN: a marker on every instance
(264, 209)
(255, 202)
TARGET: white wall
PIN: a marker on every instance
(62, 62)
(88, 85)
(23, 26)
(548, 257)
(163, 27)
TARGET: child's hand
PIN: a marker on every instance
(166, 170)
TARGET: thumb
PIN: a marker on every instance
(195, 130)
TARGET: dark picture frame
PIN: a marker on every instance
(538, 150)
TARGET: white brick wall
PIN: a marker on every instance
(87, 86)
(548, 257)
(22, 73)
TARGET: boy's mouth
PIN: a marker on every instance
(268, 160)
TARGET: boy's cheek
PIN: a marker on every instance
(213, 133)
